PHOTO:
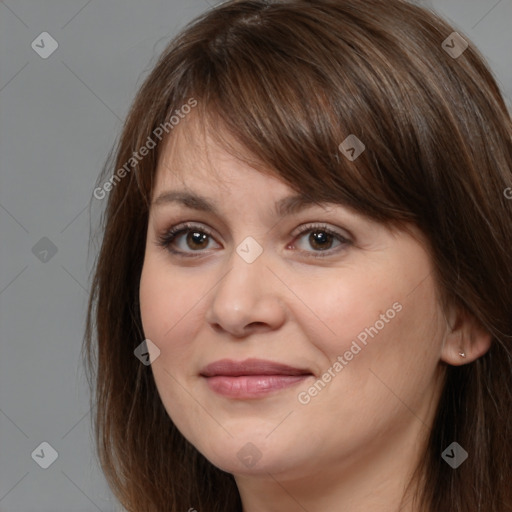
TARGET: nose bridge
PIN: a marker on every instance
(245, 294)
(246, 276)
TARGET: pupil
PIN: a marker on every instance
(320, 238)
(196, 238)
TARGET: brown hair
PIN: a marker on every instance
(290, 80)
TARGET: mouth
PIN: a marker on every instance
(251, 378)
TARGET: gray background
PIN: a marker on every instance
(59, 117)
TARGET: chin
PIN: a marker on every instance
(254, 453)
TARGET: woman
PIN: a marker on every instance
(302, 299)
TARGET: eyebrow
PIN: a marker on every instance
(286, 206)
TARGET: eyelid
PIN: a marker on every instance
(169, 236)
(343, 240)
(321, 226)
(177, 230)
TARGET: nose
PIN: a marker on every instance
(247, 299)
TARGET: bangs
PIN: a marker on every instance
(290, 108)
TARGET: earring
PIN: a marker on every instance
(462, 354)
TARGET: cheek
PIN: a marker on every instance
(167, 313)
(387, 368)
(166, 306)
(154, 301)
(357, 306)
(379, 322)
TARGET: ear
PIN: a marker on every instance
(466, 339)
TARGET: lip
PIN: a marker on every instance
(251, 378)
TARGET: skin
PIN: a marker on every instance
(353, 446)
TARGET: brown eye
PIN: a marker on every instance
(196, 239)
(321, 240)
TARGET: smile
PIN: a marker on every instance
(251, 378)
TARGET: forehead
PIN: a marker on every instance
(196, 170)
(195, 155)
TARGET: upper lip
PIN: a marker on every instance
(232, 368)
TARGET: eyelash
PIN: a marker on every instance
(170, 236)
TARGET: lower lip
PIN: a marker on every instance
(252, 386)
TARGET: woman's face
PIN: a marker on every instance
(329, 345)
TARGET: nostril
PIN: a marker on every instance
(256, 324)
